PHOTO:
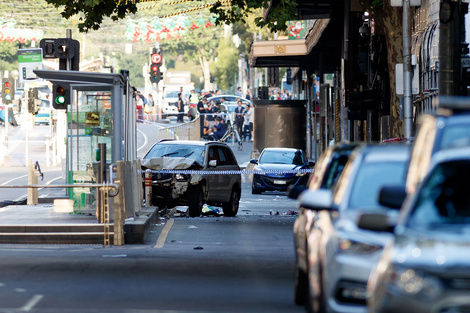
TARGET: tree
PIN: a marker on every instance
(225, 68)
(92, 12)
(200, 46)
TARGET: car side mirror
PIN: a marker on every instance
(213, 163)
(375, 222)
(392, 196)
(254, 161)
(321, 199)
(311, 163)
(293, 192)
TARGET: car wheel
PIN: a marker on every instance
(195, 201)
(300, 287)
(231, 208)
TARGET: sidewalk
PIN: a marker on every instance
(32, 223)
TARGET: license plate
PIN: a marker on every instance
(280, 182)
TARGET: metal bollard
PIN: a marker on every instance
(32, 180)
(148, 187)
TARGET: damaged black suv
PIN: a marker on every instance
(194, 189)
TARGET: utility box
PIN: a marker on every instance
(279, 123)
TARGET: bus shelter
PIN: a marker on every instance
(101, 111)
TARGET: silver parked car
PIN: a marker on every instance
(426, 268)
(326, 172)
(340, 255)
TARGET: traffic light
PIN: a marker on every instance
(64, 49)
(154, 73)
(156, 62)
(60, 96)
(8, 90)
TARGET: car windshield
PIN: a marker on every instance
(195, 153)
(444, 198)
(457, 135)
(282, 157)
(370, 178)
(334, 169)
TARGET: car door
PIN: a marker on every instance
(216, 182)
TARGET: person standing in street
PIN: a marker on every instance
(250, 115)
(139, 107)
(248, 94)
(180, 105)
(246, 124)
(239, 117)
(150, 109)
(201, 108)
(238, 93)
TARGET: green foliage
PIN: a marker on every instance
(93, 11)
(8, 56)
(225, 69)
(280, 12)
(133, 63)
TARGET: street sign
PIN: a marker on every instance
(156, 58)
(29, 60)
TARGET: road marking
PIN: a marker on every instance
(162, 238)
(26, 175)
(31, 303)
(145, 140)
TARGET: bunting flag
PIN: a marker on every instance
(158, 29)
(9, 33)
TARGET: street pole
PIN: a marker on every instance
(407, 91)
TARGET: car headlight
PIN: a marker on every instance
(355, 247)
(180, 177)
(300, 174)
(413, 283)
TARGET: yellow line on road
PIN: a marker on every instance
(162, 238)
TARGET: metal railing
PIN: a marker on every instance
(105, 191)
(185, 131)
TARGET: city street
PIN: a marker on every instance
(206, 264)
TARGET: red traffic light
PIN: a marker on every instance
(154, 68)
(7, 84)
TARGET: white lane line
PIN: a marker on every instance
(162, 238)
(26, 175)
(31, 303)
(145, 140)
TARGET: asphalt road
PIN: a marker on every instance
(206, 264)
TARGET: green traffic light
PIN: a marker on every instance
(7, 97)
(60, 100)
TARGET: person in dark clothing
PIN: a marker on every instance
(218, 129)
(239, 117)
(180, 105)
(201, 108)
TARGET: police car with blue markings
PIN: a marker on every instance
(278, 168)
